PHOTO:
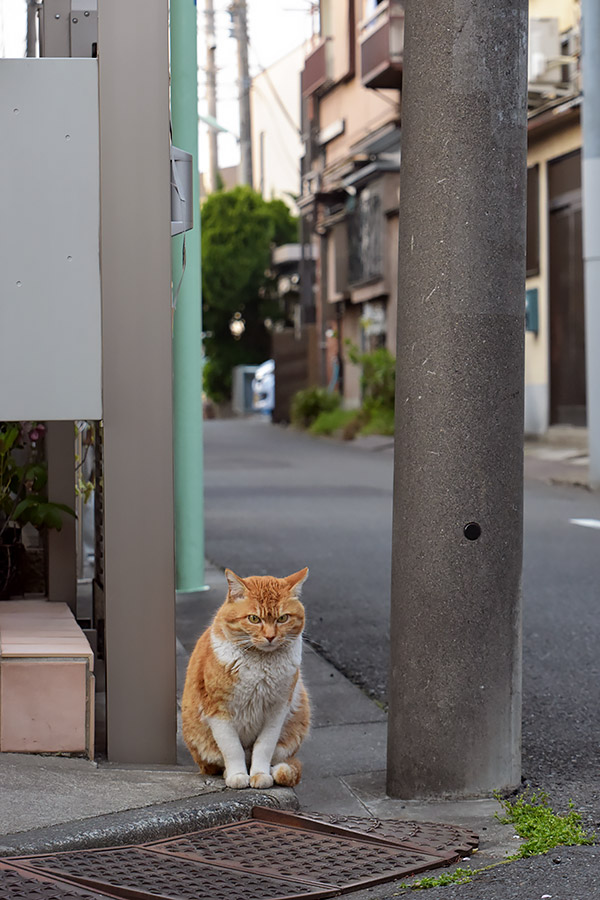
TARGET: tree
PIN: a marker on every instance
(239, 229)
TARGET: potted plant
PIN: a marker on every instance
(23, 479)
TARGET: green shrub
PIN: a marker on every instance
(380, 421)
(378, 377)
(333, 421)
(309, 403)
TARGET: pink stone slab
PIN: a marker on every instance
(43, 706)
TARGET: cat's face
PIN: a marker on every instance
(262, 612)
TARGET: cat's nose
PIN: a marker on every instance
(270, 638)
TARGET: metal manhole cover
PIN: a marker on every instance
(158, 875)
(273, 856)
(426, 834)
(18, 885)
(317, 859)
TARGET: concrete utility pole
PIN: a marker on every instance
(590, 13)
(455, 687)
(238, 10)
(211, 96)
(187, 324)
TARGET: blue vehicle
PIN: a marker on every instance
(263, 388)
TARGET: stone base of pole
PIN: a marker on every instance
(455, 685)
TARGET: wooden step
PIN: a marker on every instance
(46, 680)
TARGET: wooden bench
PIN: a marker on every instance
(46, 680)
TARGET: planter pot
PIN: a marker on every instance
(12, 555)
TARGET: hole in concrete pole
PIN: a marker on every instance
(472, 531)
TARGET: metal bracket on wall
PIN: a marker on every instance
(182, 191)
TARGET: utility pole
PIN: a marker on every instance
(591, 223)
(187, 321)
(455, 685)
(211, 95)
(238, 11)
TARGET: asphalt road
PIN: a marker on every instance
(277, 500)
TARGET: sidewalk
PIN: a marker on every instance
(560, 457)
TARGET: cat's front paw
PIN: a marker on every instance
(261, 780)
(237, 780)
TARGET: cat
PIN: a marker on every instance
(244, 702)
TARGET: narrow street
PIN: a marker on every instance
(277, 500)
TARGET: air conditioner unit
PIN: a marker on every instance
(544, 53)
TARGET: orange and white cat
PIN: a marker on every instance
(245, 709)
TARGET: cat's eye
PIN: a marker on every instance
(283, 618)
(254, 619)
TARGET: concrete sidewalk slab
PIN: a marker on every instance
(51, 803)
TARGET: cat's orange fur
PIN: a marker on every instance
(244, 701)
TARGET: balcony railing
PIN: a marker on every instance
(382, 46)
(315, 75)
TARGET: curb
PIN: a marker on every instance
(149, 823)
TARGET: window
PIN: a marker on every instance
(365, 238)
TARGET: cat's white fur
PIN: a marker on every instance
(258, 708)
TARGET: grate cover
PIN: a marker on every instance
(273, 856)
(18, 885)
(158, 875)
(317, 858)
(426, 834)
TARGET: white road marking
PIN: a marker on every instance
(586, 523)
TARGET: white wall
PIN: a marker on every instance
(275, 110)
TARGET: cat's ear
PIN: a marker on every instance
(237, 586)
(296, 581)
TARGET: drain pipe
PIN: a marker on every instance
(187, 321)
(591, 223)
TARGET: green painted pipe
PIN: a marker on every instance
(187, 320)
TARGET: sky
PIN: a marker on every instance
(275, 28)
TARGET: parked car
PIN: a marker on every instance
(263, 388)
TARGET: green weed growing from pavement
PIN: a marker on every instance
(459, 876)
(533, 819)
(542, 829)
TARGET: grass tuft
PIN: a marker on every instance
(542, 829)
(459, 876)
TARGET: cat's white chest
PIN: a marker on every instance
(263, 683)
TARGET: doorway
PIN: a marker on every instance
(567, 323)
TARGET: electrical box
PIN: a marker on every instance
(55, 37)
(182, 191)
(69, 28)
(83, 27)
(50, 313)
(531, 310)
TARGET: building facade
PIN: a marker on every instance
(351, 91)
(352, 108)
(555, 389)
